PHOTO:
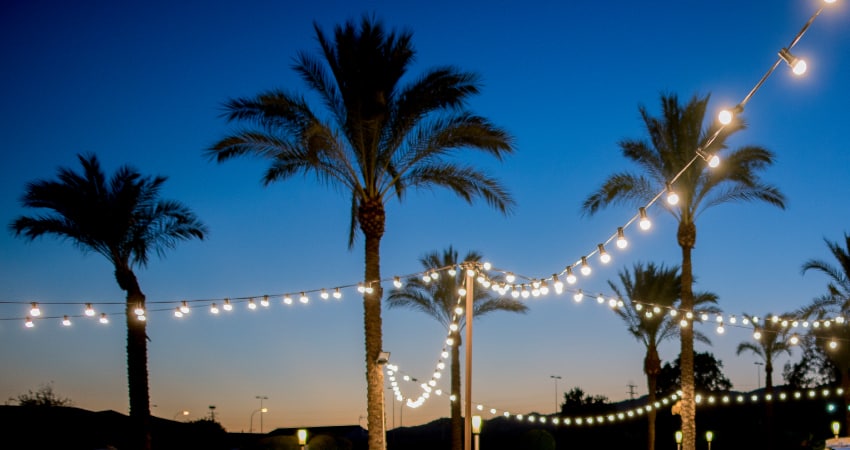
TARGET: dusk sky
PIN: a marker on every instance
(142, 83)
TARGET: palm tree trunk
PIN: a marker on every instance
(372, 219)
(456, 418)
(768, 406)
(687, 239)
(652, 367)
(137, 361)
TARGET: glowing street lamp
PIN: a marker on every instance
(302, 438)
(836, 427)
(679, 440)
(251, 423)
(476, 430)
(709, 436)
(181, 413)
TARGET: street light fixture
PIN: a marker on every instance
(476, 430)
(263, 410)
(556, 378)
(302, 438)
(679, 440)
(836, 427)
(181, 413)
(251, 423)
(709, 436)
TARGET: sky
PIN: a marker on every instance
(142, 83)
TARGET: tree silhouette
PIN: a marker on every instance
(124, 220)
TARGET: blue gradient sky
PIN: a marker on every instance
(142, 83)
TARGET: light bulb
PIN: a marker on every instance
(177, 313)
(461, 291)
(757, 335)
(645, 224)
(324, 294)
(184, 307)
(509, 277)
(434, 275)
(571, 279)
(578, 296)
(725, 117)
(251, 305)
(833, 345)
(28, 322)
(214, 308)
(227, 306)
(798, 66)
(524, 292)
(603, 255)
(458, 311)
(103, 319)
(794, 340)
(558, 284)
(713, 161)
(337, 294)
(35, 311)
(361, 288)
(139, 311)
(303, 298)
(66, 321)
(453, 271)
(287, 300)
(672, 196)
(621, 238)
(89, 310)
(585, 268)
(397, 282)
(265, 301)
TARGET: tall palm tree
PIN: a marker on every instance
(836, 302)
(653, 290)
(772, 342)
(674, 138)
(380, 138)
(439, 299)
(124, 220)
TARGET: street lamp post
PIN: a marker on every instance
(261, 398)
(758, 374)
(556, 378)
(251, 422)
(679, 440)
(709, 436)
(181, 413)
(302, 438)
(476, 431)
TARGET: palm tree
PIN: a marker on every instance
(836, 302)
(439, 299)
(772, 342)
(675, 137)
(124, 220)
(653, 290)
(381, 138)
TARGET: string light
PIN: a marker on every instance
(603, 255)
(89, 310)
(265, 301)
(103, 319)
(214, 309)
(621, 238)
(644, 223)
(35, 311)
(585, 268)
(227, 306)
(571, 279)
(251, 305)
(66, 321)
(324, 294)
(28, 323)
(303, 298)
(672, 196)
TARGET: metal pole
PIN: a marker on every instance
(467, 435)
(261, 398)
(758, 374)
(556, 378)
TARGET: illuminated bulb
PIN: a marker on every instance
(89, 310)
(361, 288)
(683, 323)
(689, 315)
(441, 365)
(638, 307)
(535, 292)
(458, 311)
(251, 305)
(833, 345)
(214, 309)
(571, 279)
(719, 318)
(603, 255)
(324, 294)
(303, 298)
(673, 313)
(672, 196)
(487, 265)
(265, 301)
(558, 284)
(369, 288)
(585, 268)
(141, 318)
(35, 311)
(721, 329)
(452, 271)
(578, 296)
(515, 293)
(621, 238)
(461, 291)
(544, 288)
(444, 354)
(287, 300)
(644, 223)
(337, 294)
(600, 299)
(509, 277)
(453, 326)
(733, 320)
(704, 317)
(103, 319)
(66, 321)
(798, 66)
(139, 311)
(450, 342)
(656, 309)
(794, 340)
(28, 323)
(434, 275)
(184, 307)
(397, 282)
(426, 278)
(725, 117)
(612, 303)
(177, 313)
(227, 306)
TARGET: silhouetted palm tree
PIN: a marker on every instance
(772, 341)
(380, 139)
(438, 299)
(124, 220)
(653, 292)
(836, 302)
(675, 136)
